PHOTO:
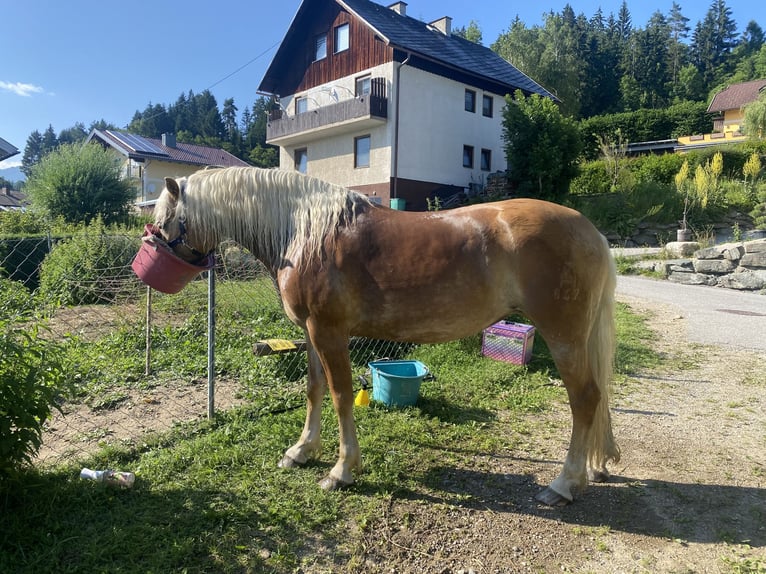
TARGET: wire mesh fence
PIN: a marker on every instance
(137, 361)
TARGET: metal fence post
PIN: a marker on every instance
(211, 343)
(148, 366)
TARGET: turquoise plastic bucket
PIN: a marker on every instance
(398, 203)
(397, 383)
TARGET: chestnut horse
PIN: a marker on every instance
(347, 267)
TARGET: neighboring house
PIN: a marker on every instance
(147, 161)
(727, 122)
(7, 150)
(11, 200)
(380, 102)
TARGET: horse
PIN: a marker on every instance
(345, 266)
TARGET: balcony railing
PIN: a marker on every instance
(346, 115)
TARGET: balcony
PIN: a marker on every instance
(353, 114)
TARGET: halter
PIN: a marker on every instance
(181, 240)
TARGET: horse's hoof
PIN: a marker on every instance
(330, 483)
(552, 498)
(288, 462)
(599, 476)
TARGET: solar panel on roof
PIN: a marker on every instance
(138, 144)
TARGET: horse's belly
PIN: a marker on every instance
(425, 316)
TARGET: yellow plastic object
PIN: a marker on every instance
(362, 398)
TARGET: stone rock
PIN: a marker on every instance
(715, 252)
(692, 278)
(714, 266)
(746, 280)
(757, 246)
(754, 259)
(731, 251)
(682, 265)
(734, 253)
(682, 248)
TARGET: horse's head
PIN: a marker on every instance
(170, 222)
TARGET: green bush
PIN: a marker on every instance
(89, 267)
(592, 179)
(658, 168)
(21, 257)
(759, 211)
(681, 119)
(31, 379)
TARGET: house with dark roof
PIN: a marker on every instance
(728, 115)
(7, 150)
(146, 162)
(12, 200)
(399, 109)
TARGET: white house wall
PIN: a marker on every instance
(332, 157)
(434, 127)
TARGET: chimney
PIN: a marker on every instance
(169, 140)
(444, 25)
(399, 8)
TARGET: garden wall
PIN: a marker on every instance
(739, 265)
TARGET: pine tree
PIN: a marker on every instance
(679, 31)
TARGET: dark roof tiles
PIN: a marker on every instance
(736, 96)
(410, 34)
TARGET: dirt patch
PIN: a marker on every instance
(688, 496)
(128, 416)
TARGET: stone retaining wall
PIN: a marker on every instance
(739, 265)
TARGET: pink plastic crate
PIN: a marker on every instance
(509, 342)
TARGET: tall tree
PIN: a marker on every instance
(77, 133)
(229, 116)
(33, 152)
(712, 42)
(50, 140)
(679, 31)
(471, 33)
(542, 146)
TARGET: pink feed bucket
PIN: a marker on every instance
(160, 268)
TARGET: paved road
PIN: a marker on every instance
(714, 315)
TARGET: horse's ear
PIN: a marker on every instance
(172, 186)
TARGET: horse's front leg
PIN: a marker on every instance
(309, 445)
(332, 349)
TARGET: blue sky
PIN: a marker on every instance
(86, 60)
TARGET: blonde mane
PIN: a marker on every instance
(266, 210)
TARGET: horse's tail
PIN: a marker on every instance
(601, 349)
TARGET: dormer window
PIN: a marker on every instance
(320, 47)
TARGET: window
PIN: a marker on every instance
(301, 160)
(320, 47)
(363, 86)
(301, 105)
(362, 151)
(341, 38)
(486, 160)
(486, 106)
(470, 101)
(468, 156)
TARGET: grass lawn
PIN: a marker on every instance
(209, 497)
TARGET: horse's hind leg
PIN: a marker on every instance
(309, 445)
(584, 397)
(585, 365)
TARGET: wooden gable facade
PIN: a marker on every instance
(299, 71)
